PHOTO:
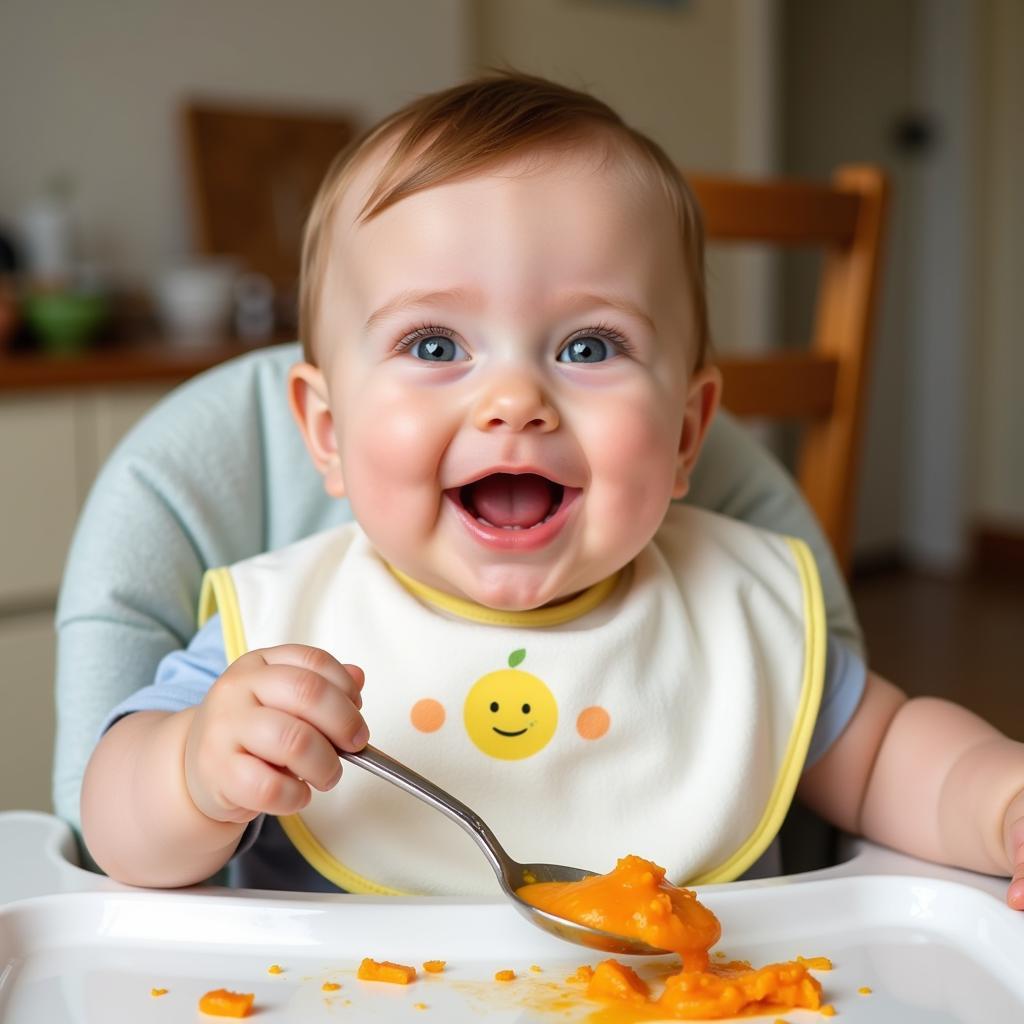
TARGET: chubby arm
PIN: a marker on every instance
(138, 820)
(927, 777)
(166, 796)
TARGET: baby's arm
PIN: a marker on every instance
(927, 777)
(166, 796)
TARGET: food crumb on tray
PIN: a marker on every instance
(222, 1003)
(385, 970)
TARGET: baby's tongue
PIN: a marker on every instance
(508, 499)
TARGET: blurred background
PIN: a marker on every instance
(128, 262)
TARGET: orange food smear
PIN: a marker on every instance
(330, 986)
(275, 969)
(636, 901)
(222, 1003)
(815, 963)
(581, 975)
(728, 989)
(155, 992)
(505, 976)
(434, 966)
(613, 980)
(385, 970)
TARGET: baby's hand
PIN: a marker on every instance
(267, 731)
(1013, 834)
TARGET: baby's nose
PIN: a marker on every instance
(516, 401)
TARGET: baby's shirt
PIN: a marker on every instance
(679, 697)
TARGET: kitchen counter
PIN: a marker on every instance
(149, 360)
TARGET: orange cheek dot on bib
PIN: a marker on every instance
(427, 715)
(593, 723)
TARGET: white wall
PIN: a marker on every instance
(91, 88)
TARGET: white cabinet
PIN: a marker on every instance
(26, 693)
(39, 494)
(52, 444)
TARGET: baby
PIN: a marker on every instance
(507, 374)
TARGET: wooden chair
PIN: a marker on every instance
(823, 386)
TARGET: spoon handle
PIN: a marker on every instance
(387, 768)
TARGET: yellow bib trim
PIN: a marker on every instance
(329, 866)
(218, 594)
(815, 646)
(549, 615)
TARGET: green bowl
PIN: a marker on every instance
(65, 321)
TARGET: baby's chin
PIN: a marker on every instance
(513, 590)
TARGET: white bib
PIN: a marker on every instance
(665, 712)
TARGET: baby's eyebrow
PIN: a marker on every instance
(472, 297)
(423, 297)
(622, 304)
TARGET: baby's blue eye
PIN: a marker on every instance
(584, 350)
(435, 349)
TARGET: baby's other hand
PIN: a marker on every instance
(1013, 834)
(267, 730)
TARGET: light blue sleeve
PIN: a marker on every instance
(845, 678)
(183, 677)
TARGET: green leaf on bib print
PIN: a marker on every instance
(516, 657)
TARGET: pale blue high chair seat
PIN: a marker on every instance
(217, 472)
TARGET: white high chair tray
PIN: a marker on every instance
(931, 950)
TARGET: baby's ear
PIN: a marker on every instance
(310, 404)
(705, 390)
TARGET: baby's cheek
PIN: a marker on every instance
(388, 448)
(633, 467)
(389, 463)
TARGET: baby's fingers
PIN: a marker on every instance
(347, 678)
(252, 783)
(306, 694)
(1015, 894)
(285, 741)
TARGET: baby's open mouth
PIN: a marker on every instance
(511, 501)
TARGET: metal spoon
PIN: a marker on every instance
(511, 874)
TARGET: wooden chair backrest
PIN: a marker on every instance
(823, 385)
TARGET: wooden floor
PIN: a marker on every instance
(960, 639)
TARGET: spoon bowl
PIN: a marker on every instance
(510, 873)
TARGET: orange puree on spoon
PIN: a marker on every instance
(635, 900)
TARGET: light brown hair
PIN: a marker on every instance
(464, 130)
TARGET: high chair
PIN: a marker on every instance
(217, 471)
(824, 386)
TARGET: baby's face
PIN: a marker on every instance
(506, 364)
